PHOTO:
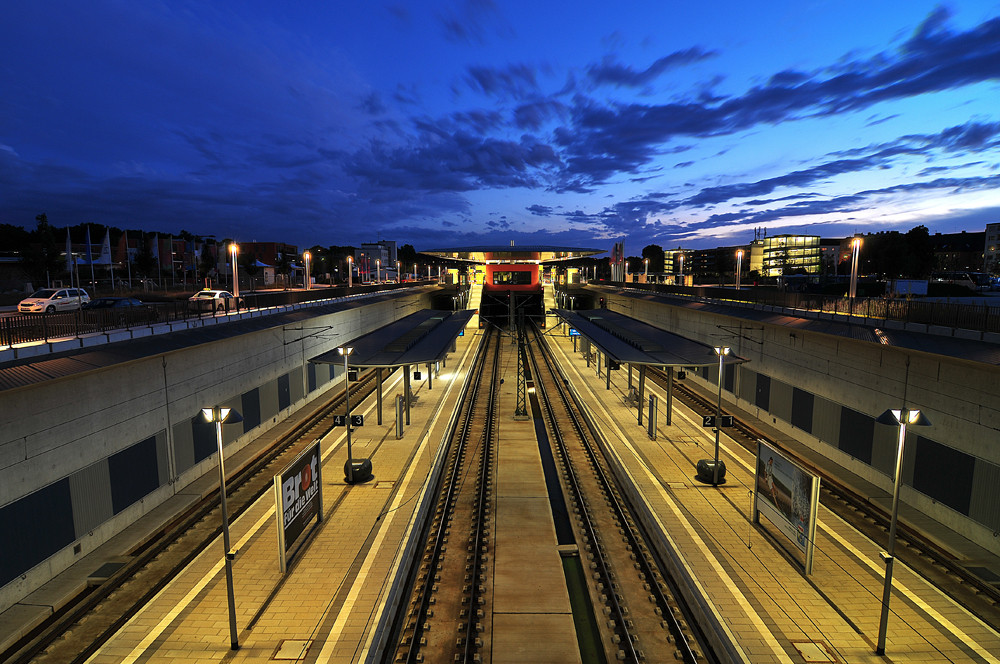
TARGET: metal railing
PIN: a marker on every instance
(27, 328)
(975, 317)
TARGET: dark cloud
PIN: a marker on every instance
(372, 104)
(605, 139)
(612, 72)
(540, 210)
(517, 81)
(532, 115)
(473, 21)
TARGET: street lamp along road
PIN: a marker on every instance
(218, 415)
(235, 249)
(307, 257)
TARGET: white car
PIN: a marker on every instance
(217, 300)
(50, 300)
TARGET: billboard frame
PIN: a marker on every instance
(798, 521)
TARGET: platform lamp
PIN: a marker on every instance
(218, 415)
(350, 272)
(645, 272)
(307, 257)
(901, 418)
(399, 277)
(739, 267)
(721, 351)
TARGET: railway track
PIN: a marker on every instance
(452, 590)
(634, 615)
(644, 619)
(915, 550)
(79, 629)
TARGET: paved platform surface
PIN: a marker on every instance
(754, 584)
(326, 608)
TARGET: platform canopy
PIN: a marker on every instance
(422, 337)
(628, 340)
(513, 254)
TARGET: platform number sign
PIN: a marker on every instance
(340, 420)
(709, 420)
(357, 420)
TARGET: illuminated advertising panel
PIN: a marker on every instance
(298, 498)
(787, 495)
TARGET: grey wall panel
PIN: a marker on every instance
(856, 432)
(762, 395)
(781, 400)
(747, 384)
(90, 491)
(184, 456)
(802, 410)
(884, 441)
(133, 473)
(230, 432)
(269, 399)
(311, 377)
(163, 457)
(250, 409)
(51, 506)
(295, 384)
(284, 392)
(826, 420)
(984, 505)
(943, 473)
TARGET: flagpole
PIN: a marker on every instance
(90, 259)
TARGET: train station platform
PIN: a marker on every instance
(327, 607)
(755, 589)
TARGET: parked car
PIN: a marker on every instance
(125, 309)
(216, 300)
(50, 300)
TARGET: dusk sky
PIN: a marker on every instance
(447, 124)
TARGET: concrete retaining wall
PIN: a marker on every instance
(825, 391)
(83, 457)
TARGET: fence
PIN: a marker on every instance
(26, 328)
(977, 317)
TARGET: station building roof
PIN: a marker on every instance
(629, 340)
(422, 337)
(513, 254)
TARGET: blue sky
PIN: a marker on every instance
(444, 124)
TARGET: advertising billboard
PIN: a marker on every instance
(298, 498)
(787, 495)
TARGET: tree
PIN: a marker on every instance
(284, 267)
(41, 258)
(145, 261)
(656, 256)
(206, 263)
(406, 255)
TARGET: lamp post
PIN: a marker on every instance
(645, 273)
(306, 256)
(739, 267)
(721, 351)
(219, 415)
(899, 418)
(681, 258)
(233, 250)
(350, 272)
(378, 270)
(349, 467)
(399, 277)
(855, 250)
(415, 275)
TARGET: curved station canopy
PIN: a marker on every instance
(485, 254)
